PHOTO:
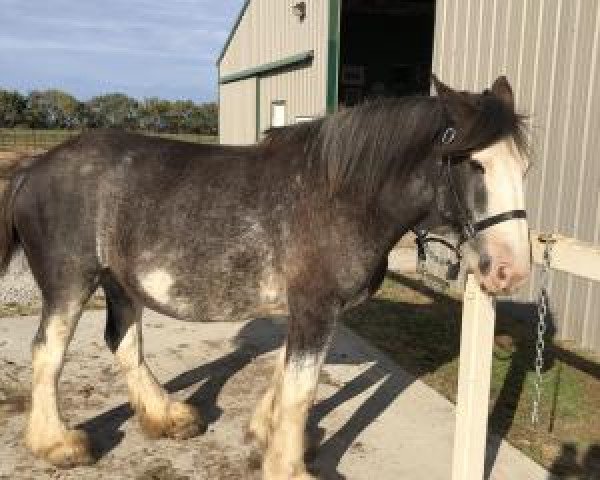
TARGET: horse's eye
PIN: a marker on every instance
(478, 167)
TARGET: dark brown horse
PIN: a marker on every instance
(300, 224)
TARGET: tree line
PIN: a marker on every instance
(53, 108)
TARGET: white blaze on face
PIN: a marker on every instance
(507, 243)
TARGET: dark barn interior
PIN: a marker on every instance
(386, 48)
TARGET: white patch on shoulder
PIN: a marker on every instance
(157, 285)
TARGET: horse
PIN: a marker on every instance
(298, 225)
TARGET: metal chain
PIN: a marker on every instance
(542, 311)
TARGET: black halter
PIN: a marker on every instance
(469, 228)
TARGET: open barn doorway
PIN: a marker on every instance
(386, 48)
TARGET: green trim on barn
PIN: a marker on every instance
(219, 104)
(257, 108)
(233, 30)
(333, 56)
(286, 62)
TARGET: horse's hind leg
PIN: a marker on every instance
(158, 414)
(47, 436)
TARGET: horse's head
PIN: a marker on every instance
(480, 186)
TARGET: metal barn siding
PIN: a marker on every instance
(285, 57)
(236, 112)
(550, 52)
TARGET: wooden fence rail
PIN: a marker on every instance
(18, 139)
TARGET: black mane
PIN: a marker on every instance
(358, 147)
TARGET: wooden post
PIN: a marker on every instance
(476, 344)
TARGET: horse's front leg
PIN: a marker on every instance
(312, 318)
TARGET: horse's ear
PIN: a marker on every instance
(457, 104)
(441, 88)
(502, 89)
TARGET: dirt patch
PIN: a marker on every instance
(13, 400)
(14, 396)
(161, 469)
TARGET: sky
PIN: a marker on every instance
(142, 48)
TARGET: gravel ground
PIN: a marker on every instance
(17, 285)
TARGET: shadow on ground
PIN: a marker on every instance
(263, 335)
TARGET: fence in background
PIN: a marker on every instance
(17, 139)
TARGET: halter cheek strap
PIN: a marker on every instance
(470, 229)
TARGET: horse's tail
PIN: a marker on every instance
(10, 178)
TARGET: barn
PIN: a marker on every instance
(288, 61)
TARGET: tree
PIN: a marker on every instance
(114, 110)
(51, 109)
(57, 109)
(155, 114)
(12, 106)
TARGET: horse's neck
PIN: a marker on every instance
(407, 200)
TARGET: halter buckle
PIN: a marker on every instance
(469, 231)
(448, 136)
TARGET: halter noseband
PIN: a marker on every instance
(469, 228)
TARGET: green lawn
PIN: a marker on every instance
(420, 330)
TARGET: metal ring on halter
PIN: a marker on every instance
(448, 136)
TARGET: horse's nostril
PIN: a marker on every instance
(503, 272)
(485, 264)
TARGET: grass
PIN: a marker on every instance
(17, 139)
(420, 330)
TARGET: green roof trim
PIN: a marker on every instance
(257, 109)
(233, 30)
(286, 62)
(333, 56)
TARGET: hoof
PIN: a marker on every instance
(180, 421)
(72, 450)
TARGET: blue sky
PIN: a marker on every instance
(140, 47)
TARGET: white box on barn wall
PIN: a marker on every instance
(278, 113)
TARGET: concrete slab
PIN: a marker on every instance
(376, 420)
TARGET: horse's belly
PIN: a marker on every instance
(226, 298)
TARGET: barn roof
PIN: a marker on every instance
(233, 30)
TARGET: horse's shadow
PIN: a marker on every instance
(256, 338)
